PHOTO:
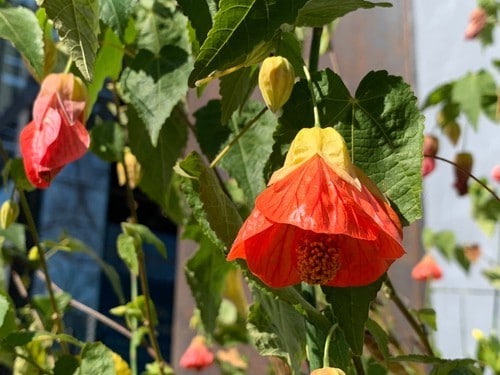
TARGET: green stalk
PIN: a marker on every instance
(247, 127)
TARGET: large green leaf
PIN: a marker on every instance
(317, 13)
(156, 79)
(214, 211)
(96, 358)
(210, 132)
(474, 92)
(205, 272)
(199, 15)
(242, 34)
(157, 162)
(108, 64)
(382, 126)
(350, 306)
(247, 157)
(20, 26)
(116, 13)
(77, 23)
(277, 329)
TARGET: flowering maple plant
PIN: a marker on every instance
(295, 204)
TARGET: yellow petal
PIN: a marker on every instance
(325, 142)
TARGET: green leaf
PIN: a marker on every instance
(485, 207)
(241, 161)
(290, 48)
(316, 13)
(428, 317)
(20, 26)
(277, 329)
(493, 276)
(96, 358)
(15, 234)
(473, 91)
(382, 126)
(445, 242)
(235, 89)
(108, 64)
(7, 316)
(439, 94)
(14, 169)
(18, 338)
(456, 367)
(214, 211)
(107, 141)
(154, 84)
(380, 336)
(350, 306)
(127, 251)
(157, 162)
(146, 235)
(461, 259)
(77, 23)
(205, 273)
(242, 34)
(66, 364)
(116, 13)
(211, 133)
(198, 13)
(49, 44)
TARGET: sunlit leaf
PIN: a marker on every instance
(126, 246)
(242, 34)
(116, 13)
(317, 13)
(146, 235)
(96, 358)
(7, 316)
(77, 23)
(20, 26)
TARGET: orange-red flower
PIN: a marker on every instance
(427, 269)
(197, 356)
(321, 220)
(57, 135)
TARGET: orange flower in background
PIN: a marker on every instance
(321, 220)
(427, 269)
(57, 135)
(197, 356)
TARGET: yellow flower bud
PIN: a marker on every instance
(133, 169)
(34, 254)
(328, 371)
(8, 213)
(276, 78)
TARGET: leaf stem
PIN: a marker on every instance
(69, 63)
(43, 265)
(314, 49)
(326, 357)
(467, 173)
(238, 136)
(313, 99)
(391, 293)
(358, 365)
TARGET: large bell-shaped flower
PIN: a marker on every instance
(57, 135)
(321, 220)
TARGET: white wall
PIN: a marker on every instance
(462, 301)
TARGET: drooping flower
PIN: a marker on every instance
(197, 356)
(477, 21)
(427, 269)
(57, 135)
(321, 220)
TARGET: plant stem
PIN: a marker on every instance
(326, 357)
(467, 173)
(43, 265)
(360, 370)
(409, 317)
(238, 136)
(314, 50)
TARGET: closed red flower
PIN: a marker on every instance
(197, 356)
(427, 269)
(321, 220)
(57, 135)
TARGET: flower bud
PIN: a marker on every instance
(477, 22)
(8, 213)
(197, 356)
(328, 371)
(452, 131)
(276, 79)
(472, 252)
(464, 161)
(431, 145)
(133, 169)
(495, 173)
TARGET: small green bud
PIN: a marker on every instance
(8, 213)
(276, 79)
